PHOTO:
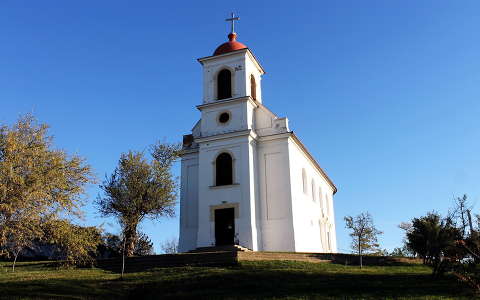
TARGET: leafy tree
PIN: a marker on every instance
(433, 239)
(139, 189)
(364, 234)
(380, 252)
(143, 245)
(73, 244)
(112, 245)
(403, 251)
(25, 236)
(37, 183)
(170, 246)
(448, 244)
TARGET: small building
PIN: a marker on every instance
(246, 178)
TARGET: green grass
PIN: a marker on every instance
(249, 280)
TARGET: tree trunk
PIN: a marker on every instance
(15, 261)
(360, 254)
(130, 235)
(123, 258)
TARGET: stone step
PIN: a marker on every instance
(236, 248)
(257, 256)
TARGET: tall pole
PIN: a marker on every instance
(123, 257)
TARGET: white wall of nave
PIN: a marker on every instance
(312, 221)
(189, 205)
(275, 213)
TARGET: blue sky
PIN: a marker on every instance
(385, 94)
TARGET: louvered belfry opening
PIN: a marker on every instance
(224, 84)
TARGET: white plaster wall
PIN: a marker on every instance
(252, 194)
(238, 119)
(196, 130)
(264, 121)
(331, 223)
(241, 117)
(275, 213)
(252, 69)
(239, 193)
(310, 224)
(236, 64)
(267, 123)
(241, 65)
(189, 203)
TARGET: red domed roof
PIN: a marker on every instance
(229, 46)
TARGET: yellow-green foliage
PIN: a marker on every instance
(364, 234)
(75, 245)
(37, 182)
(140, 188)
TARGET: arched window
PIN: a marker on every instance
(327, 201)
(314, 194)
(322, 237)
(253, 87)
(320, 200)
(224, 169)
(304, 181)
(224, 84)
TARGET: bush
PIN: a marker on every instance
(73, 245)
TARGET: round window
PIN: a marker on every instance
(224, 117)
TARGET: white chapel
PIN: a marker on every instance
(246, 179)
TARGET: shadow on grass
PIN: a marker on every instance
(31, 266)
(254, 282)
(249, 280)
(368, 260)
(53, 288)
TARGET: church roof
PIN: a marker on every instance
(309, 155)
(230, 46)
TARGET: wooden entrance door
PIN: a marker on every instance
(224, 226)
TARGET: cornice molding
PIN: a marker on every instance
(247, 51)
(188, 151)
(312, 159)
(227, 102)
(304, 149)
(247, 132)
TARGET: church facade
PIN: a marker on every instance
(246, 178)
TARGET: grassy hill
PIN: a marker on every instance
(248, 280)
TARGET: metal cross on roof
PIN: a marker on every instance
(233, 19)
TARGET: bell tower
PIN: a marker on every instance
(231, 72)
(223, 151)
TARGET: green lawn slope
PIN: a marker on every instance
(248, 280)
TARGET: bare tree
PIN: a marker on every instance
(364, 234)
(170, 246)
(460, 215)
